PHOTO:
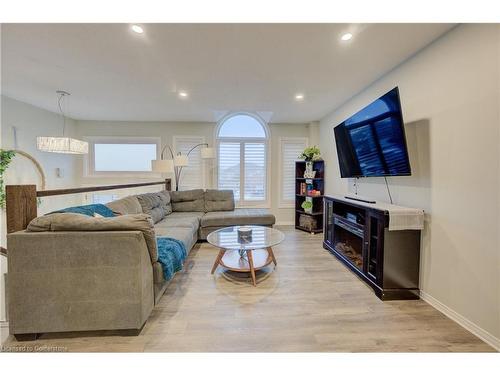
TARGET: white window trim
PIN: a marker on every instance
(284, 203)
(201, 139)
(267, 141)
(89, 161)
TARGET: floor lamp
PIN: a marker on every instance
(179, 161)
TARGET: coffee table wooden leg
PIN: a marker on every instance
(270, 251)
(217, 260)
(252, 270)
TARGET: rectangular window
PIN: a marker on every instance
(192, 176)
(121, 156)
(290, 149)
(114, 157)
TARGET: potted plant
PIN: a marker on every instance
(310, 154)
(307, 206)
(5, 159)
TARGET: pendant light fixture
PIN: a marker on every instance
(62, 145)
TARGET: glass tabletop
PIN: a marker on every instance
(260, 238)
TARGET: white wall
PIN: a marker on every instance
(167, 130)
(450, 98)
(31, 122)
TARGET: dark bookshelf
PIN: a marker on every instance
(303, 187)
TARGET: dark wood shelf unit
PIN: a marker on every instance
(311, 196)
(309, 213)
(388, 261)
(317, 183)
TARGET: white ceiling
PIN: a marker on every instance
(115, 74)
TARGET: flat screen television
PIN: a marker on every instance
(372, 142)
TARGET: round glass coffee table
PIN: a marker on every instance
(247, 254)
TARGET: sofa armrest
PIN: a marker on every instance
(78, 281)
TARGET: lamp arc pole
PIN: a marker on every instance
(178, 169)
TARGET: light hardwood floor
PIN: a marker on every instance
(310, 302)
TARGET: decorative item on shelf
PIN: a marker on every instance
(309, 172)
(307, 206)
(302, 188)
(314, 193)
(179, 161)
(309, 188)
(62, 145)
(244, 234)
(308, 222)
(244, 237)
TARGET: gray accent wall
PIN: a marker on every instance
(450, 99)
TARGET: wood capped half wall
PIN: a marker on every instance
(21, 200)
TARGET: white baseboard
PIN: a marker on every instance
(463, 321)
(284, 223)
(4, 331)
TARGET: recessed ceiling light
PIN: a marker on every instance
(299, 97)
(137, 29)
(183, 94)
(345, 37)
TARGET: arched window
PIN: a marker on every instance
(242, 142)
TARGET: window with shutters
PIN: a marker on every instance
(192, 176)
(242, 143)
(290, 149)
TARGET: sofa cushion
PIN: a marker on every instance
(240, 216)
(166, 201)
(219, 200)
(187, 235)
(155, 204)
(188, 200)
(59, 222)
(192, 222)
(125, 206)
(182, 215)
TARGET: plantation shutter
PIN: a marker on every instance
(229, 167)
(255, 171)
(192, 175)
(290, 151)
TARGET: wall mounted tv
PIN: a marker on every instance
(372, 142)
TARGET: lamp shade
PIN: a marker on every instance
(207, 153)
(162, 166)
(181, 160)
(62, 145)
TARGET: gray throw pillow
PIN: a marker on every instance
(125, 206)
(166, 203)
(154, 204)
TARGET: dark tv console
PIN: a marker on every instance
(358, 235)
(360, 199)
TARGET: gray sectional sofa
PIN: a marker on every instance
(71, 272)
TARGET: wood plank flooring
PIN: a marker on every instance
(309, 303)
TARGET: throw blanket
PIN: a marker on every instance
(171, 255)
(89, 210)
